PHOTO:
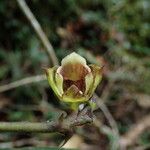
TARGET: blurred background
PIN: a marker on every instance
(113, 33)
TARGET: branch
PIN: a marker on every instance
(21, 82)
(110, 119)
(48, 47)
(130, 137)
(22, 142)
(27, 127)
(47, 127)
(36, 26)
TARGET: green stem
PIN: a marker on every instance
(45, 127)
(28, 127)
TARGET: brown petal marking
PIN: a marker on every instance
(80, 84)
(74, 72)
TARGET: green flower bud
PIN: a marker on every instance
(74, 82)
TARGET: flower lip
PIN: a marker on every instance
(73, 89)
(80, 84)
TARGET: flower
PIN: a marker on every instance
(74, 82)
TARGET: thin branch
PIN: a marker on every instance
(110, 119)
(23, 142)
(24, 81)
(35, 24)
(48, 47)
(48, 127)
(131, 136)
(27, 127)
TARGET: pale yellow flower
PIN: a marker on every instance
(74, 82)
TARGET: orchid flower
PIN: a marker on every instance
(74, 82)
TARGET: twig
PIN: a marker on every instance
(48, 127)
(110, 119)
(35, 24)
(130, 137)
(48, 47)
(28, 127)
(21, 82)
(23, 142)
(142, 147)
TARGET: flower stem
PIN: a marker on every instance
(28, 127)
(43, 127)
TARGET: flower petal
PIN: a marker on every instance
(97, 76)
(59, 82)
(73, 94)
(73, 58)
(51, 76)
(88, 82)
(74, 67)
